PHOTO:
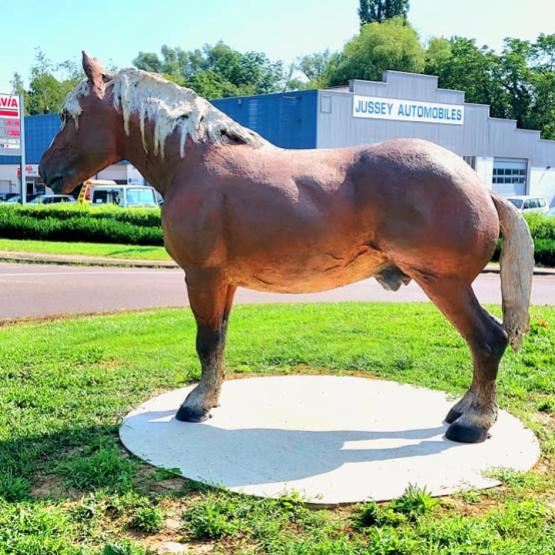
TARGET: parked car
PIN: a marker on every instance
(526, 203)
(52, 199)
(17, 198)
(4, 197)
(124, 196)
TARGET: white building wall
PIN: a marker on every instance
(9, 182)
(542, 184)
(484, 168)
(134, 177)
(115, 172)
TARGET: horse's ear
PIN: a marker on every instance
(95, 72)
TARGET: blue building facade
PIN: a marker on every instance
(287, 120)
(39, 132)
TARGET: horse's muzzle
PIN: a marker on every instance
(53, 181)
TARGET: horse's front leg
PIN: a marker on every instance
(210, 297)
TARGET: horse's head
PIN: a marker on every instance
(91, 134)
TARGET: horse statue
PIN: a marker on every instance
(239, 211)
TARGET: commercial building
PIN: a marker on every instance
(509, 160)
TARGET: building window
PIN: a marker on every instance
(510, 176)
(471, 161)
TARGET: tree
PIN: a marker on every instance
(518, 83)
(376, 11)
(49, 84)
(461, 65)
(378, 47)
(543, 83)
(314, 67)
(216, 71)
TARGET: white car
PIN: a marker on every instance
(124, 196)
(525, 203)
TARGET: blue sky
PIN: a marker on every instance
(115, 30)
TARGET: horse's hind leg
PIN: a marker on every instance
(210, 298)
(476, 412)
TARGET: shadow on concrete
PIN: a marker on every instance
(242, 457)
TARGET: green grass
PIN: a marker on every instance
(67, 487)
(136, 252)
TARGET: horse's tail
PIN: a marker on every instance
(517, 269)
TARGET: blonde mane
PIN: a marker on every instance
(169, 107)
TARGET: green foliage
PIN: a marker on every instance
(13, 488)
(36, 529)
(109, 250)
(216, 71)
(371, 514)
(542, 227)
(414, 503)
(543, 232)
(314, 67)
(212, 518)
(518, 83)
(378, 47)
(376, 11)
(147, 519)
(461, 65)
(49, 83)
(104, 468)
(124, 548)
(79, 223)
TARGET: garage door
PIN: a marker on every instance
(509, 176)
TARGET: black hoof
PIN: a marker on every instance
(466, 434)
(452, 415)
(187, 414)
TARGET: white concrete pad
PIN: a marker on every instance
(331, 439)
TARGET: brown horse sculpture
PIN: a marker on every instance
(240, 211)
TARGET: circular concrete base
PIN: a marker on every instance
(330, 439)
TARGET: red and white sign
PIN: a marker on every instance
(31, 170)
(9, 106)
(10, 125)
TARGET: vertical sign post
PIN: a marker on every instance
(22, 140)
(12, 133)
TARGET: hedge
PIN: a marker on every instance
(142, 227)
(543, 232)
(82, 224)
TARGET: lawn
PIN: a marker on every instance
(136, 252)
(67, 486)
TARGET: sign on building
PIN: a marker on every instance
(407, 110)
(10, 126)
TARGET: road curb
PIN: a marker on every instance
(494, 269)
(76, 260)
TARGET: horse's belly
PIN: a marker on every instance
(313, 273)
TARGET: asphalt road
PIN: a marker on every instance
(36, 290)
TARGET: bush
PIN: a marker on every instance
(105, 468)
(147, 519)
(82, 224)
(544, 252)
(541, 226)
(543, 232)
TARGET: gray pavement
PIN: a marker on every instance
(36, 290)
